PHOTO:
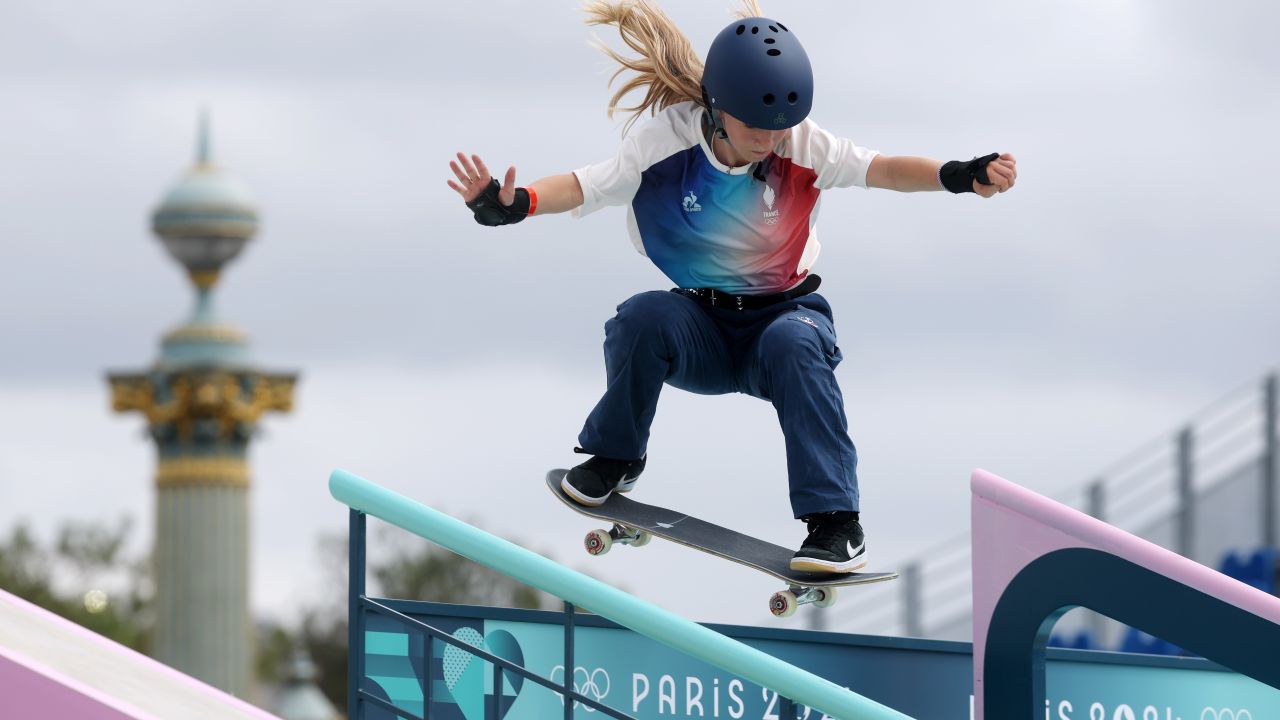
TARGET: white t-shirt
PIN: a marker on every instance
(705, 224)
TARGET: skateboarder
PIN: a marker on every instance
(722, 188)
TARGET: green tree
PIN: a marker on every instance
(418, 570)
(412, 569)
(86, 577)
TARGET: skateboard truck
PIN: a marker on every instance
(785, 602)
(598, 542)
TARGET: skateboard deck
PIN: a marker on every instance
(634, 521)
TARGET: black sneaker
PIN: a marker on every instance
(591, 482)
(835, 544)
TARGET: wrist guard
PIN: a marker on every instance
(490, 211)
(958, 176)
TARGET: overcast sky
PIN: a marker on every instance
(1128, 280)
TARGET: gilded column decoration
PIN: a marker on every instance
(202, 400)
(219, 406)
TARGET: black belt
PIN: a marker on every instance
(716, 298)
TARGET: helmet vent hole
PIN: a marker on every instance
(769, 41)
(792, 97)
(773, 28)
(754, 29)
(742, 29)
(773, 51)
(784, 27)
(768, 98)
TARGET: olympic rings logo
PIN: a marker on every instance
(1225, 714)
(594, 684)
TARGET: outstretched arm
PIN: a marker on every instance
(552, 194)
(557, 193)
(915, 174)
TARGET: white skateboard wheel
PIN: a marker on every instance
(598, 542)
(783, 604)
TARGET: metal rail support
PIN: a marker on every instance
(1186, 493)
(355, 614)
(912, 601)
(1270, 463)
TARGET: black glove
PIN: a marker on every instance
(958, 176)
(490, 211)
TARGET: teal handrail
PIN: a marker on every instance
(607, 601)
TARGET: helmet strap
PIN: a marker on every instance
(718, 131)
(717, 126)
(723, 137)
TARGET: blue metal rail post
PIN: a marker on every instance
(355, 613)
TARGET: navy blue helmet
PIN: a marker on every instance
(758, 72)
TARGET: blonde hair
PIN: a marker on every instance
(667, 67)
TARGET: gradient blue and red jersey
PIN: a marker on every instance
(706, 225)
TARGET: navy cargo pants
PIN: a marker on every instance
(785, 353)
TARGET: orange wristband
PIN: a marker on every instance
(533, 200)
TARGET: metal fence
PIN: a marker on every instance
(1205, 489)
(793, 685)
(358, 698)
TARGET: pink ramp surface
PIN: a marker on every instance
(51, 667)
(1012, 527)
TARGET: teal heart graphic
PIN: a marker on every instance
(504, 645)
(464, 675)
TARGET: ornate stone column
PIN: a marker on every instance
(202, 400)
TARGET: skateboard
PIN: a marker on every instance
(635, 523)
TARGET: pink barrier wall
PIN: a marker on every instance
(93, 677)
(31, 691)
(1013, 526)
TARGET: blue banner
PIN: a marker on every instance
(631, 673)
